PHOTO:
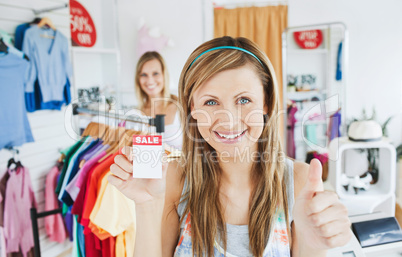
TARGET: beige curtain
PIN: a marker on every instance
(264, 26)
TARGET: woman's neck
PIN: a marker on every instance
(237, 172)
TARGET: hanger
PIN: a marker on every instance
(3, 46)
(35, 21)
(46, 22)
(332, 115)
(126, 139)
(14, 160)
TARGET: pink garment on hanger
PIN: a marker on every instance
(2, 239)
(2, 243)
(147, 43)
(54, 224)
(86, 168)
(18, 202)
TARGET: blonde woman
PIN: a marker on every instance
(233, 193)
(153, 95)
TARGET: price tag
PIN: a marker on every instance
(147, 156)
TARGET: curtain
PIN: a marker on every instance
(262, 25)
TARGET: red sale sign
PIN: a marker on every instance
(147, 140)
(308, 39)
(83, 32)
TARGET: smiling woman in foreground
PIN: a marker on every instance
(233, 193)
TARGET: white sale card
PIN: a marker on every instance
(147, 156)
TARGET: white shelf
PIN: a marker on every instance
(307, 51)
(304, 95)
(380, 196)
(93, 50)
(318, 138)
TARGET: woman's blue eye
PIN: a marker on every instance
(244, 101)
(210, 102)
(156, 74)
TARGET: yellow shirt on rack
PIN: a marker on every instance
(98, 231)
(115, 215)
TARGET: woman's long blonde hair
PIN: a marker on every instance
(142, 97)
(201, 169)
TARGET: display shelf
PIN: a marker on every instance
(308, 51)
(304, 95)
(380, 196)
(319, 66)
(318, 138)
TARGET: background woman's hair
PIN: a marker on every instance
(200, 167)
(142, 97)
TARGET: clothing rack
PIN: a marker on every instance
(158, 122)
(37, 12)
(34, 220)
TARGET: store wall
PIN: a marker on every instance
(48, 127)
(375, 53)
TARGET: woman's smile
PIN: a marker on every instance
(229, 137)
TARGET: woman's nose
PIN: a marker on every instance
(150, 80)
(229, 116)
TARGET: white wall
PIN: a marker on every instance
(180, 20)
(375, 52)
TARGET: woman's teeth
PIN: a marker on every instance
(230, 136)
(152, 86)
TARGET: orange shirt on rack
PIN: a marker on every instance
(98, 231)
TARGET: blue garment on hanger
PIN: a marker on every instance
(50, 63)
(339, 63)
(15, 51)
(34, 100)
(336, 125)
(14, 125)
(19, 35)
(65, 197)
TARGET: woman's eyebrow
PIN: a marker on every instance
(243, 92)
(209, 96)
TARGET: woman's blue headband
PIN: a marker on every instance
(228, 47)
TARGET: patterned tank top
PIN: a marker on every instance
(237, 235)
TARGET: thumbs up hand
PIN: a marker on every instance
(320, 219)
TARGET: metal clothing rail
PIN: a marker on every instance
(34, 220)
(37, 12)
(158, 121)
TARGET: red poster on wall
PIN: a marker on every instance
(309, 39)
(83, 32)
